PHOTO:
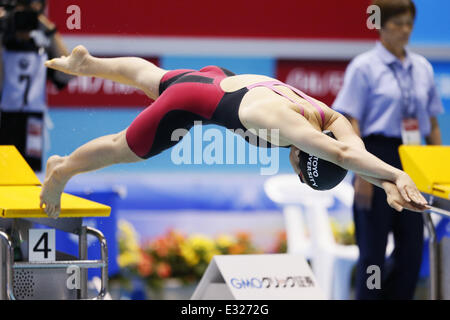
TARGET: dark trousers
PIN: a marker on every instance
(13, 131)
(399, 273)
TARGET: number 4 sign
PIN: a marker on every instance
(41, 245)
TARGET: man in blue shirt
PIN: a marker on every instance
(390, 97)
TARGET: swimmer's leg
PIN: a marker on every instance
(95, 154)
(133, 71)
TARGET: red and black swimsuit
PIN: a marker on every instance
(186, 96)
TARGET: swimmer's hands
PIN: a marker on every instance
(408, 189)
(74, 64)
(398, 202)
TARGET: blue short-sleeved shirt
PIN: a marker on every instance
(372, 92)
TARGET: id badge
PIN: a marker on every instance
(411, 132)
(34, 137)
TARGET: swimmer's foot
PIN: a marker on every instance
(53, 186)
(74, 64)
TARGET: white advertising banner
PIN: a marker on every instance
(258, 277)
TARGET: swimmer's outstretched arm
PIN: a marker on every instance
(299, 132)
(133, 71)
(345, 132)
(393, 196)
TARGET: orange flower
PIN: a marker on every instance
(281, 242)
(236, 249)
(174, 239)
(243, 236)
(163, 270)
(161, 247)
(145, 265)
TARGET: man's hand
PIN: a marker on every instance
(398, 202)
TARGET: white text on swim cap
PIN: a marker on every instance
(311, 168)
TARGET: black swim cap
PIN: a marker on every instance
(320, 174)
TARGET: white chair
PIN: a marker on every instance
(332, 263)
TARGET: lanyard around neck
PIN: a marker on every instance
(408, 103)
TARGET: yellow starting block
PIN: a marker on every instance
(20, 189)
(428, 167)
(23, 202)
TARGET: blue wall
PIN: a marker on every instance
(264, 66)
(432, 24)
(442, 77)
(432, 27)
